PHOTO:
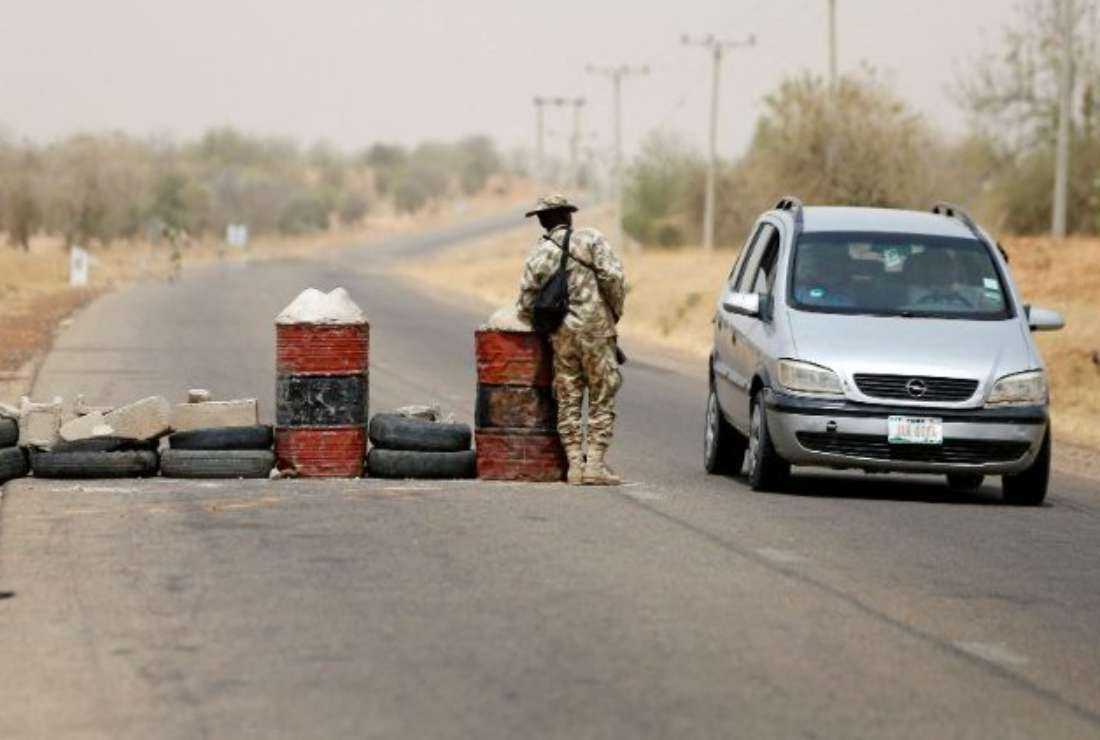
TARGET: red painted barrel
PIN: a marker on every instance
(322, 398)
(322, 453)
(516, 416)
(520, 358)
(520, 455)
(317, 349)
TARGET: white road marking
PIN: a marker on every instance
(779, 556)
(994, 652)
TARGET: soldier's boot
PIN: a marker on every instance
(596, 472)
(575, 457)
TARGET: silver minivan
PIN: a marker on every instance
(881, 340)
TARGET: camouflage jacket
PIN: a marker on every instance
(597, 288)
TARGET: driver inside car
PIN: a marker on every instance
(819, 281)
(938, 281)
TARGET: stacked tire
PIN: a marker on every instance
(98, 457)
(403, 447)
(516, 416)
(222, 452)
(13, 459)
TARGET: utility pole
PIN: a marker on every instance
(575, 142)
(616, 74)
(717, 48)
(557, 102)
(1065, 111)
(832, 45)
(540, 141)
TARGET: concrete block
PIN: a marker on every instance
(80, 408)
(198, 395)
(148, 418)
(417, 411)
(40, 423)
(86, 427)
(212, 414)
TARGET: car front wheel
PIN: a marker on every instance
(767, 471)
(1029, 488)
(723, 446)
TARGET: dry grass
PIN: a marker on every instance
(1066, 276)
(672, 295)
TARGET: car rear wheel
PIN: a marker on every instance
(767, 471)
(1029, 487)
(965, 481)
(723, 446)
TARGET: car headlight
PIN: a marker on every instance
(805, 377)
(1020, 389)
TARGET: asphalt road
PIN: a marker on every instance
(682, 605)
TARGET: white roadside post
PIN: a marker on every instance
(78, 267)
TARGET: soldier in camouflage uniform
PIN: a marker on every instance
(585, 347)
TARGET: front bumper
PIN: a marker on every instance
(843, 434)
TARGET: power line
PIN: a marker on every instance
(832, 45)
(717, 48)
(616, 75)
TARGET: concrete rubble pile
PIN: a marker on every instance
(206, 438)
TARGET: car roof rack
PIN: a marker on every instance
(794, 205)
(950, 210)
(788, 203)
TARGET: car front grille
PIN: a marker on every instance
(874, 447)
(916, 387)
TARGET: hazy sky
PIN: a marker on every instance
(361, 71)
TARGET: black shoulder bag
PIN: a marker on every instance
(552, 302)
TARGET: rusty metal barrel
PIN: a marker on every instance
(322, 396)
(516, 416)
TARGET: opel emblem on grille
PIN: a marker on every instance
(917, 388)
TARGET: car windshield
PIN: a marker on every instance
(897, 275)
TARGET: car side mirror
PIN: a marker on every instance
(1044, 319)
(746, 304)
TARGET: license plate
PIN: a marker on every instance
(914, 430)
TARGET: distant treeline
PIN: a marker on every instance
(96, 189)
(862, 144)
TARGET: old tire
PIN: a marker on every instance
(767, 471)
(393, 432)
(9, 432)
(13, 463)
(1029, 487)
(723, 446)
(409, 464)
(130, 464)
(223, 438)
(106, 444)
(217, 463)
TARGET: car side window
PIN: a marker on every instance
(739, 263)
(747, 276)
(765, 275)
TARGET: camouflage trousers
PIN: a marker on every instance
(585, 363)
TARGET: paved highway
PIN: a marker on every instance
(682, 605)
